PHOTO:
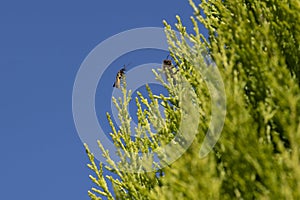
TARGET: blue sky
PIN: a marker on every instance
(42, 45)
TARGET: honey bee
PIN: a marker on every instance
(120, 75)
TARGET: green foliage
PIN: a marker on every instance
(255, 46)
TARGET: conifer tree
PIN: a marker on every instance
(255, 47)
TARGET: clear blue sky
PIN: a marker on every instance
(42, 45)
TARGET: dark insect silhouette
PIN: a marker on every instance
(120, 75)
